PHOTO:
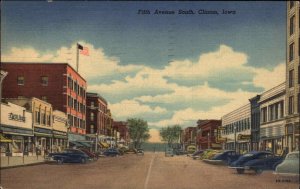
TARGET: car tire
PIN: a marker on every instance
(60, 161)
(83, 160)
(240, 171)
(258, 171)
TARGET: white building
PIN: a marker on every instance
(272, 122)
(16, 130)
(236, 125)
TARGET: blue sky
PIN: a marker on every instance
(168, 69)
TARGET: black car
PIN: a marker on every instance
(225, 157)
(69, 156)
(111, 152)
(256, 161)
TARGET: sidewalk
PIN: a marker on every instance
(9, 162)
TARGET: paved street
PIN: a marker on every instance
(152, 171)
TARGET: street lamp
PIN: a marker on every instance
(234, 128)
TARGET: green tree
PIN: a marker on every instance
(138, 131)
(170, 134)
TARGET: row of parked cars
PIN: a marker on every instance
(83, 155)
(256, 161)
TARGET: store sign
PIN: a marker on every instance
(244, 137)
(16, 117)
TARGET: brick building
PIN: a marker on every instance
(206, 134)
(56, 83)
(122, 128)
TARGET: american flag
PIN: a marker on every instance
(83, 50)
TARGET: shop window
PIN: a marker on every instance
(44, 80)
(20, 80)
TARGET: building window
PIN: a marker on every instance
(92, 129)
(92, 104)
(48, 120)
(44, 98)
(292, 4)
(281, 104)
(20, 80)
(299, 74)
(92, 116)
(70, 83)
(70, 101)
(264, 114)
(292, 24)
(43, 116)
(291, 52)
(298, 102)
(291, 78)
(44, 80)
(291, 104)
(37, 117)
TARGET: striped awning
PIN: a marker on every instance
(3, 139)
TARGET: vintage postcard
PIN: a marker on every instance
(149, 94)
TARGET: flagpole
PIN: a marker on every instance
(77, 57)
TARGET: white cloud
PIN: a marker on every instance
(97, 64)
(268, 79)
(131, 108)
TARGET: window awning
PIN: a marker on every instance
(86, 144)
(3, 139)
(104, 144)
(76, 144)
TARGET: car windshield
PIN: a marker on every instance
(292, 156)
(248, 155)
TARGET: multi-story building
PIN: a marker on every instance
(207, 134)
(96, 114)
(292, 76)
(56, 83)
(42, 120)
(189, 136)
(122, 128)
(16, 130)
(236, 126)
(255, 123)
(60, 129)
(272, 119)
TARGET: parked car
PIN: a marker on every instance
(69, 156)
(256, 161)
(289, 166)
(111, 152)
(131, 151)
(197, 154)
(140, 152)
(169, 153)
(179, 152)
(224, 157)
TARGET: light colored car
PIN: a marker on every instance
(289, 166)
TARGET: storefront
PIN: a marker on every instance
(60, 140)
(292, 136)
(60, 129)
(16, 130)
(42, 140)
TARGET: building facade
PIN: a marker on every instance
(237, 130)
(207, 134)
(60, 131)
(42, 115)
(122, 128)
(292, 106)
(272, 122)
(56, 83)
(16, 130)
(255, 123)
(189, 136)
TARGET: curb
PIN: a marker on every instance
(23, 165)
